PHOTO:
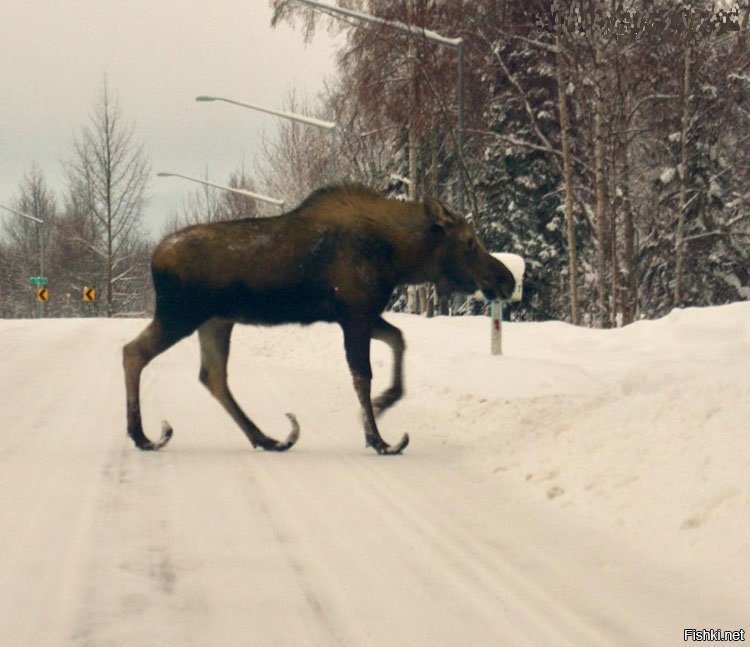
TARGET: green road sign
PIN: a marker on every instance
(38, 280)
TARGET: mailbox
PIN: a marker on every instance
(517, 266)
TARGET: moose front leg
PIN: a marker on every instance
(357, 336)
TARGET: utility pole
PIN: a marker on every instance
(433, 37)
(40, 234)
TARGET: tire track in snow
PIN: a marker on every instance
(514, 583)
(49, 471)
(424, 582)
(447, 560)
(378, 499)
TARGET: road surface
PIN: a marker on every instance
(209, 542)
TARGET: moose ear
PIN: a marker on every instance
(438, 214)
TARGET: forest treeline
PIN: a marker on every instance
(605, 141)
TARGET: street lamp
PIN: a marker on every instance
(40, 233)
(432, 36)
(310, 121)
(304, 119)
(249, 194)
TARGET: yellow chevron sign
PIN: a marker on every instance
(89, 294)
(42, 294)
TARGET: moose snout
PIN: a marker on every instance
(507, 285)
(501, 282)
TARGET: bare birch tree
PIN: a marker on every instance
(111, 171)
(567, 170)
(599, 172)
(683, 173)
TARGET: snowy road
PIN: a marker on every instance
(211, 543)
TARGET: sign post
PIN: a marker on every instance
(89, 298)
(517, 266)
(42, 294)
(40, 234)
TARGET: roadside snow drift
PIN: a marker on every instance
(586, 488)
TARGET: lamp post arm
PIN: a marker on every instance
(310, 121)
(250, 194)
(23, 215)
(432, 36)
(395, 24)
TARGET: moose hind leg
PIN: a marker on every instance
(155, 339)
(214, 336)
(385, 332)
(357, 344)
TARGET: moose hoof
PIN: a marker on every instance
(292, 438)
(383, 448)
(146, 445)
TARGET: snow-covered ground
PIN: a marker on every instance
(586, 488)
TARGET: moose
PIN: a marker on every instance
(337, 258)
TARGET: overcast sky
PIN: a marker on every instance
(158, 55)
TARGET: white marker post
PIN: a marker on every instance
(496, 333)
(517, 266)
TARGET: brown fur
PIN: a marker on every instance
(337, 258)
